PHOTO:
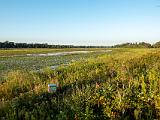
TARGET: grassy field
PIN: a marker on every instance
(17, 59)
(121, 84)
(8, 52)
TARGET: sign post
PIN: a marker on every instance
(52, 88)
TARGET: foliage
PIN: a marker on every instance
(134, 45)
(121, 85)
(157, 45)
(8, 44)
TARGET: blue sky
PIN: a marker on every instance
(80, 22)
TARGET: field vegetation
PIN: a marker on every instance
(121, 84)
(23, 51)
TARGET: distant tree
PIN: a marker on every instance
(134, 45)
(156, 45)
(8, 44)
(145, 45)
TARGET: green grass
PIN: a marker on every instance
(123, 84)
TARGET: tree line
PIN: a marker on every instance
(137, 45)
(8, 44)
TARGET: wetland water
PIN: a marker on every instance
(57, 53)
(66, 53)
(40, 61)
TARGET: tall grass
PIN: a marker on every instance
(122, 85)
